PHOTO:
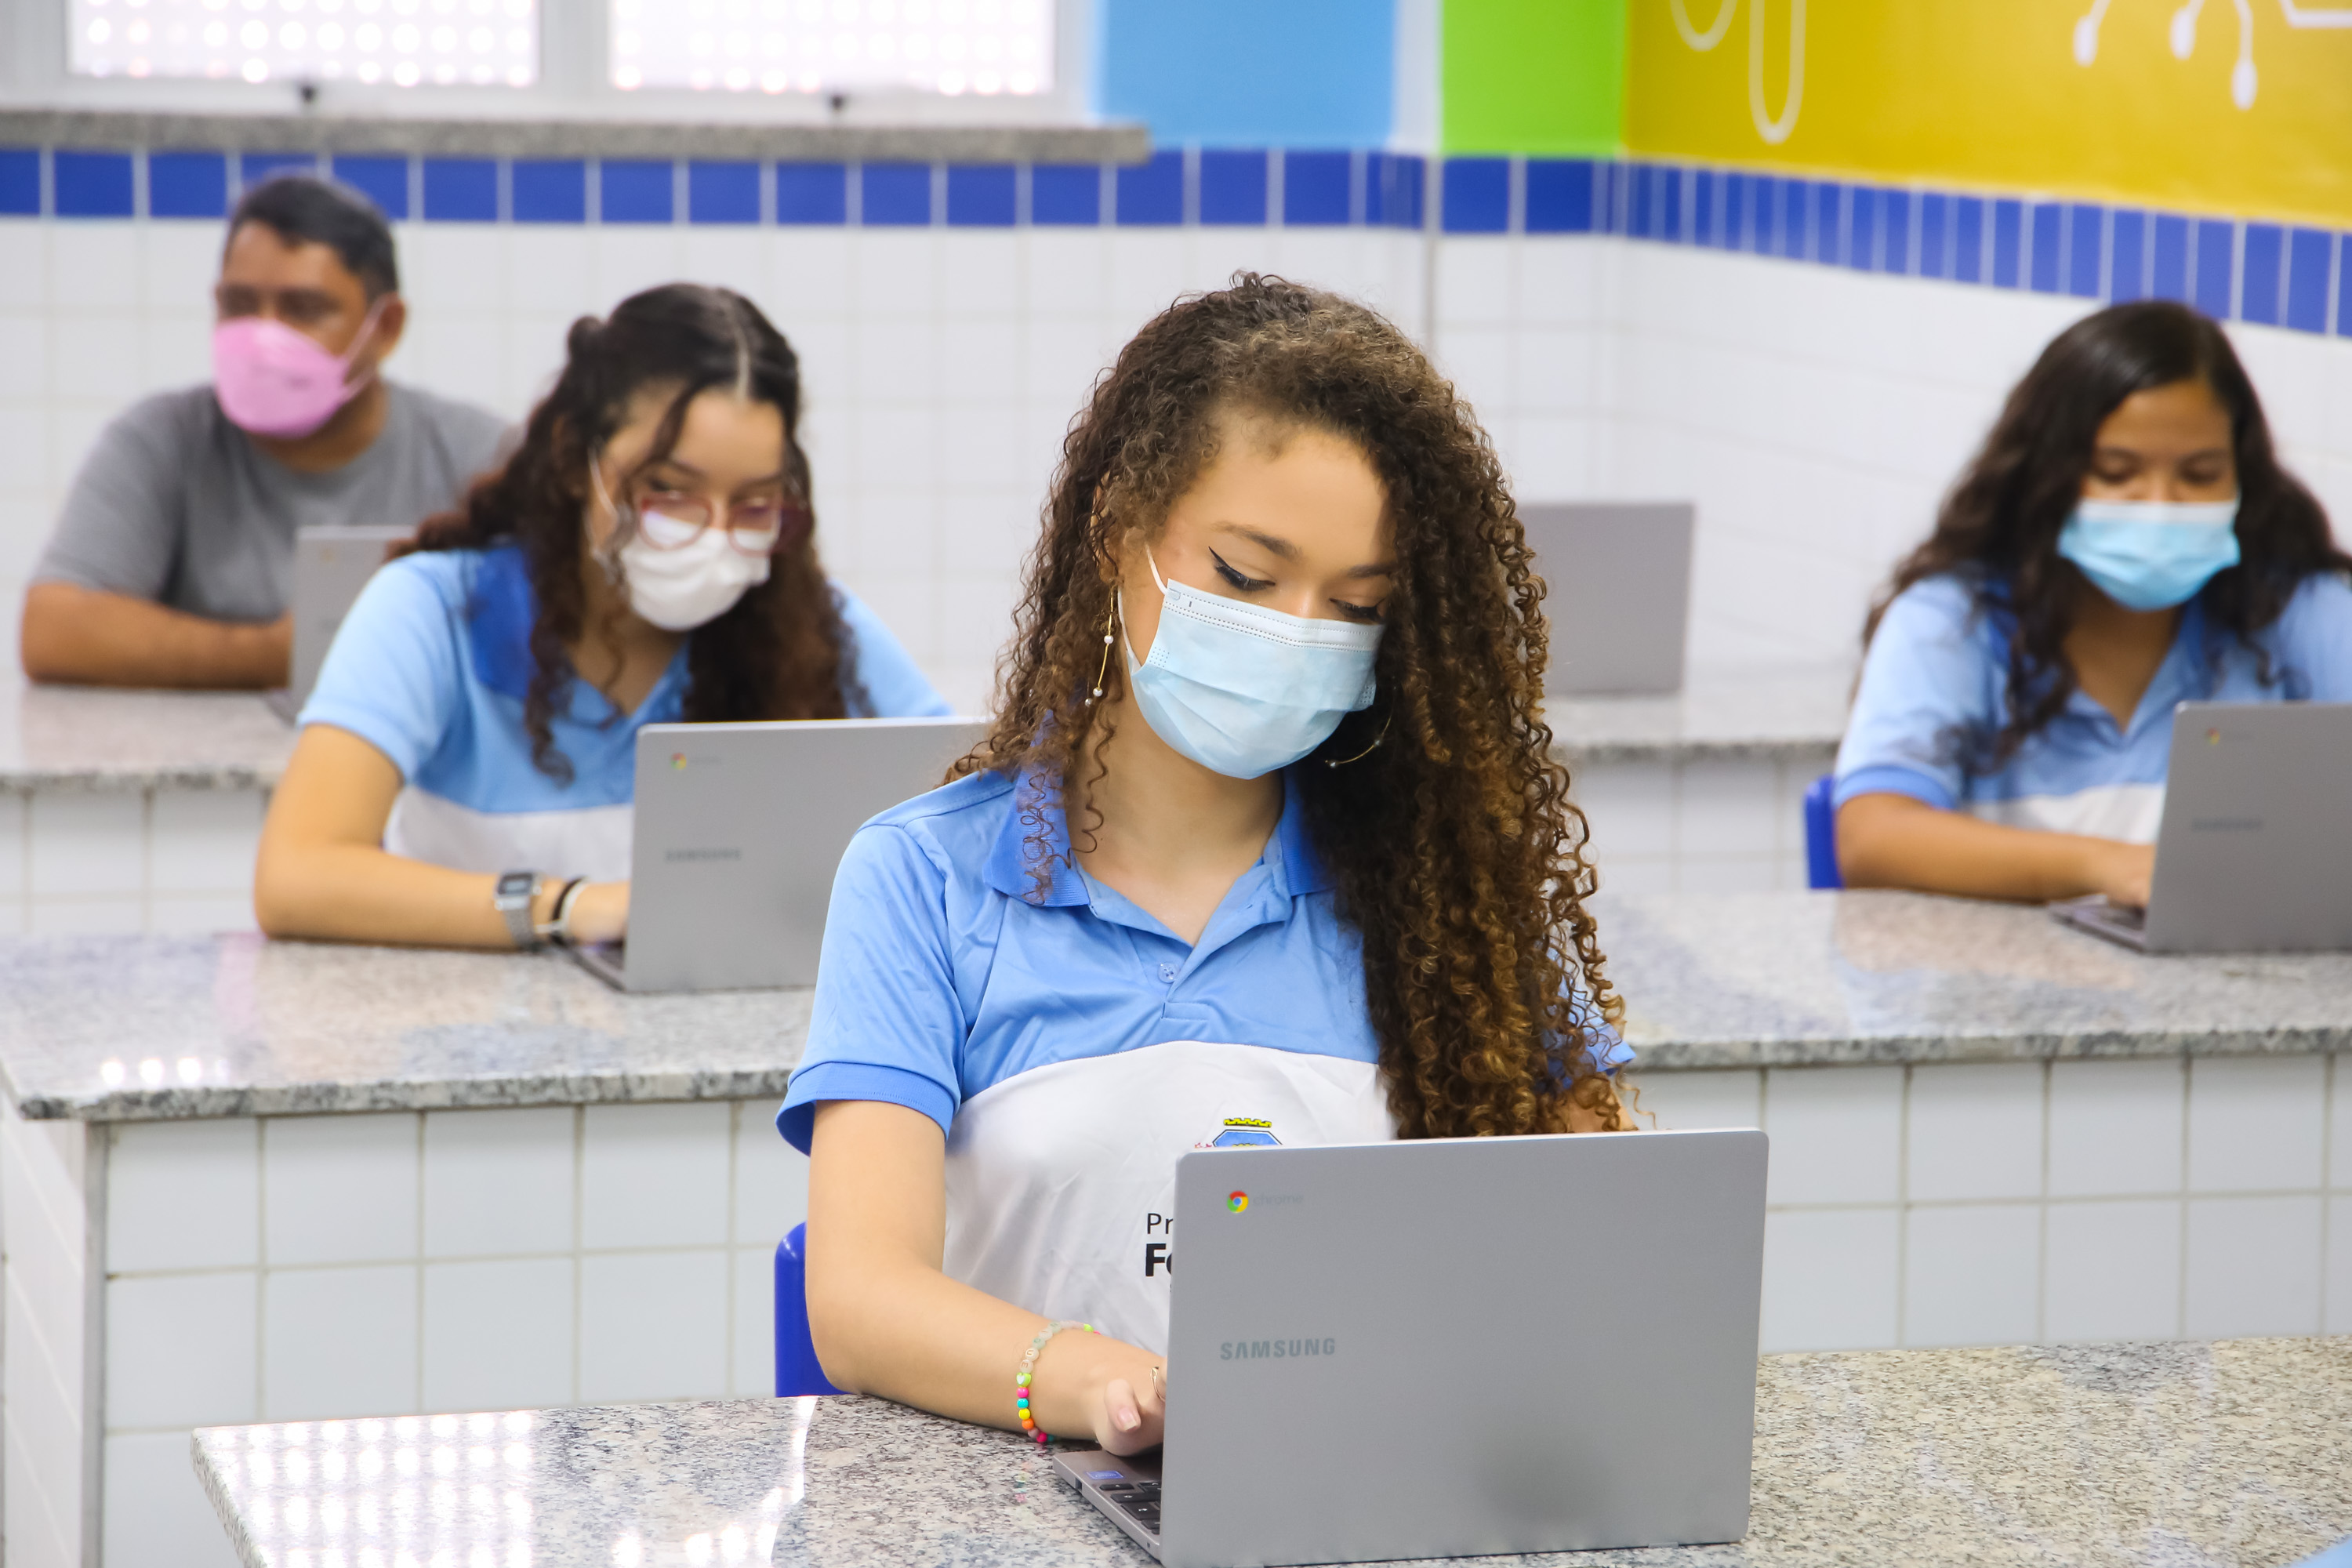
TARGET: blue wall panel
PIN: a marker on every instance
(187, 185)
(1065, 194)
(634, 191)
(383, 180)
(461, 190)
(812, 193)
(1314, 73)
(722, 193)
(982, 195)
(550, 190)
(1233, 187)
(1152, 192)
(91, 184)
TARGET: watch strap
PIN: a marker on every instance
(513, 897)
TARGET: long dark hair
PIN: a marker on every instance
(1456, 850)
(779, 652)
(1999, 527)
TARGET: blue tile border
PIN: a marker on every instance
(2296, 276)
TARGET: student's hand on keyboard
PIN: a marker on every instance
(1122, 1400)
(2123, 872)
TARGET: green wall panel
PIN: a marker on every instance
(1534, 76)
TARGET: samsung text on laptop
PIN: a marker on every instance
(1452, 1347)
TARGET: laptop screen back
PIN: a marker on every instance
(740, 828)
(1617, 575)
(332, 563)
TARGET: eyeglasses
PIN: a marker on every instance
(767, 525)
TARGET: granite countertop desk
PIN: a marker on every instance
(1792, 714)
(2223, 1454)
(79, 737)
(139, 1028)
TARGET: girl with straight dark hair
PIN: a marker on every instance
(2127, 541)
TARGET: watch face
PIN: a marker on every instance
(514, 884)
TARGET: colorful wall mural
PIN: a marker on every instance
(2225, 106)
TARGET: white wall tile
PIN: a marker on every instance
(182, 1195)
(755, 1323)
(1687, 1101)
(1630, 805)
(1829, 1279)
(499, 1181)
(23, 353)
(2253, 1267)
(2340, 1122)
(1976, 1130)
(198, 914)
(339, 1189)
(87, 917)
(499, 1335)
(179, 1350)
(339, 1341)
(204, 840)
(44, 1433)
(1972, 1275)
(2255, 1123)
(808, 269)
(655, 1175)
(770, 1178)
(654, 1326)
(2339, 1281)
(1731, 807)
(156, 1511)
(2114, 1271)
(895, 272)
(1474, 282)
(1835, 1134)
(95, 266)
(2116, 1128)
(92, 842)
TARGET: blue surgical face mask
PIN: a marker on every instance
(2149, 554)
(1242, 690)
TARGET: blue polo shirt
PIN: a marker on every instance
(1935, 692)
(940, 978)
(432, 666)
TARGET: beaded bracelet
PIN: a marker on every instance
(1028, 1368)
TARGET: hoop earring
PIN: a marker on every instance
(1368, 751)
(1103, 673)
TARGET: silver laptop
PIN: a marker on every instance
(2255, 850)
(1452, 1348)
(739, 829)
(332, 563)
(1619, 600)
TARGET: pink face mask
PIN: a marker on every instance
(273, 381)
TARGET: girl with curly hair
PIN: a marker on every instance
(2126, 542)
(1267, 846)
(646, 555)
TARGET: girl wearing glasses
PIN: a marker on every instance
(646, 555)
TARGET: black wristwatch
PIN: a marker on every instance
(516, 892)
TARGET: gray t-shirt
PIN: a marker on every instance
(177, 506)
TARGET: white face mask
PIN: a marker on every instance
(679, 576)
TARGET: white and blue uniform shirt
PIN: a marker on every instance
(1935, 693)
(431, 667)
(1074, 1048)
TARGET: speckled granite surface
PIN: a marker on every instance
(2210, 1455)
(79, 737)
(1794, 714)
(136, 1029)
(1743, 979)
(140, 1028)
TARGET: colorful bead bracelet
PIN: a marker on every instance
(1028, 1369)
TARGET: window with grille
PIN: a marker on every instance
(405, 43)
(953, 46)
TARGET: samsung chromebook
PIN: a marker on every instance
(738, 829)
(1452, 1348)
(332, 563)
(1618, 577)
(2253, 853)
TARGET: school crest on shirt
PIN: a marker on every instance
(1242, 1132)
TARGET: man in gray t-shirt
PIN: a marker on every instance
(173, 560)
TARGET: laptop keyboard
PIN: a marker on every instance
(1140, 1500)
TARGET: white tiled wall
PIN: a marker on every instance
(2023, 1202)
(77, 861)
(306, 1267)
(1701, 825)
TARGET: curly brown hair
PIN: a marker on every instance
(779, 652)
(1998, 528)
(1454, 845)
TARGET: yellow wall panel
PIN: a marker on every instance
(2226, 106)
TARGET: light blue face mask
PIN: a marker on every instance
(1242, 690)
(2147, 554)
